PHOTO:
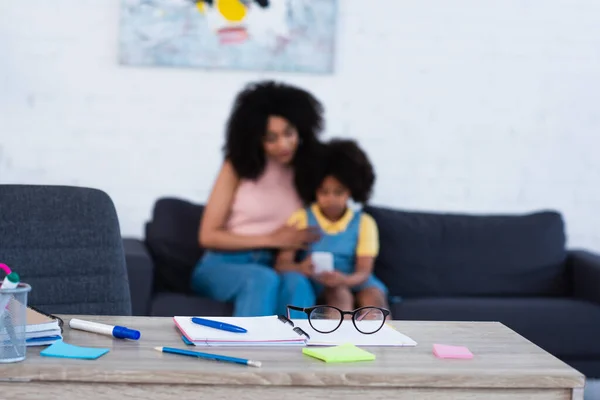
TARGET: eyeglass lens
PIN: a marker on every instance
(369, 320)
(325, 319)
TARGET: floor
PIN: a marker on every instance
(592, 389)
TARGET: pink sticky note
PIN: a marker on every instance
(445, 351)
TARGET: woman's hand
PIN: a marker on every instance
(331, 279)
(290, 237)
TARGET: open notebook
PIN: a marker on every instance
(262, 331)
(279, 331)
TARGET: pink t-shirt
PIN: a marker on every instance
(263, 205)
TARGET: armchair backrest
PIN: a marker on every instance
(66, 243)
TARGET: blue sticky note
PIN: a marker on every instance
(64, 350)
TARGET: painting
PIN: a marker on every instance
(258, 35)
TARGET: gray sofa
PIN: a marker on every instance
(509, 268)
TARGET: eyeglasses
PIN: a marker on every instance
(326, 319)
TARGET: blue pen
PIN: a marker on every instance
(218, 325)
(208, 356)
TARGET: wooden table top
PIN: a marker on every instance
(502, 358)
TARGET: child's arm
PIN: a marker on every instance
(366, 251)
(285, 263)
(362, 271)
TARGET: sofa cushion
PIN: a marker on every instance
(165, 304)
(563, 327)
(428, 254)
(172, 240)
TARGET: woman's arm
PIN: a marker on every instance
(212, 233)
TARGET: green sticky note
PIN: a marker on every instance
(343, 353)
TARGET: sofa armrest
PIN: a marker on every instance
(140, 270)
(585, 269)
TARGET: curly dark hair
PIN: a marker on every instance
(349, 164)
(247, 126)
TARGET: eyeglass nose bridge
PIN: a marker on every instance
(353, 314)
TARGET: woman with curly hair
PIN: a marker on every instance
(268, 172)
(350, 236)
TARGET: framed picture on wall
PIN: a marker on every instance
(259, 35)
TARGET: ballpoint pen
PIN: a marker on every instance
(218, 325)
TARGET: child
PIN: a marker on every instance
(351, 236)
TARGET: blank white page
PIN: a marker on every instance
(347, 333)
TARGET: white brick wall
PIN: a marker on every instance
(464, 105)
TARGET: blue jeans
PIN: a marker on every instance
(248, 279)
(297, 290)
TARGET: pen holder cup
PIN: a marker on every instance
(13, 323)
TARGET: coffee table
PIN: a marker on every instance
(505, 366)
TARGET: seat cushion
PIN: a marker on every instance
(563, 327)
(172, 240)
(428, 254)
(165, 304)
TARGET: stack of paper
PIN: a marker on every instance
(261, 331)
(40, 330)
